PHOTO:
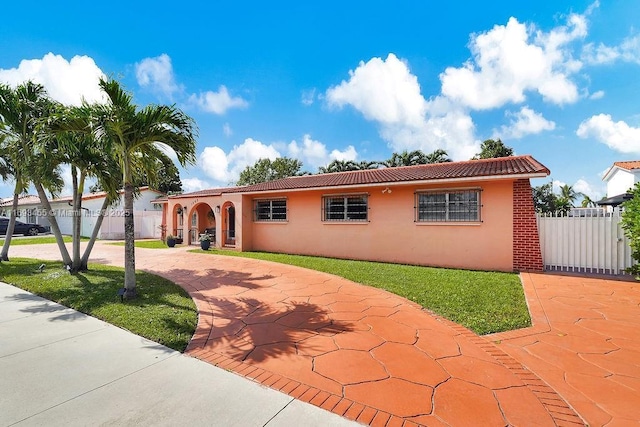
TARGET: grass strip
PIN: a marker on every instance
(163, 312)
(485, 302)
(38, 240)
(147, 244)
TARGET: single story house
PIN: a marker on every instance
(147, 212)
(475, 214)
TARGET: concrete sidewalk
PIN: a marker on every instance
(61, 367)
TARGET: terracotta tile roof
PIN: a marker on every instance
(27, 199)
(488, 168)
(203, 193)
(628, 165)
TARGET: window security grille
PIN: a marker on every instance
(448, 206)
(270, 210)
(345, 208)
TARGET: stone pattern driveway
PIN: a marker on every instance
(369, 355)
(585, 343)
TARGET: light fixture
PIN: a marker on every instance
(386, 190)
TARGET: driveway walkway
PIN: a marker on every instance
(357, 351)
(585, 343)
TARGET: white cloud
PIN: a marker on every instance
(347, 154)
(619, 136)
(524, 122)
(190, 185)
(382, 90)
(66, 81)
(226, 129)
(385, 91)
(597, 95)
(308, 96)
(225, 168)
(628, 51)
(510, 60)
(582, 186)
(67, 190)
(157, 75)
(218, 102)
(314, 154)
(168, 151)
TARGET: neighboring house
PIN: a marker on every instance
(147, 212)
(620, 179)
(27, 208)
(476, 214)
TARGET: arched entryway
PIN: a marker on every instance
(229, 223)
(201, 220)
(178, 214)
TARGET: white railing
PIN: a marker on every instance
(587, 244)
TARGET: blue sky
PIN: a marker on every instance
(354, 80)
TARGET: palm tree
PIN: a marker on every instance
(131, 134)
(569, 194)
(587, 202)
(406, 158)
(72, 137)
(339, 166)
(438, 156)
(22, 111)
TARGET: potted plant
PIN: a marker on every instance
(205, 241)
(171, 240)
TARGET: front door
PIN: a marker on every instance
(230, 237)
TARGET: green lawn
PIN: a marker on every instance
(163, 312)
(38, 240)
(484, 302)
(148, 244)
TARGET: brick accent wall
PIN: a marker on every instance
(526, 242)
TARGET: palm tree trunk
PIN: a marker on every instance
(77, 220)
(84, 263)
(4, 255)
(129, 243)
(55, 229)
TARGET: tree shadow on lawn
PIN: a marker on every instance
(162, 312)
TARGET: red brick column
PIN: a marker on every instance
(526, 242)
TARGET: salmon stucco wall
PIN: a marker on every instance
(391, 234)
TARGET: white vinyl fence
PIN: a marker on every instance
(589, 244)
(146, 225)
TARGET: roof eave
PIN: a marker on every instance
(404, 183)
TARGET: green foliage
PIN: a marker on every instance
(341, 166)
(546, 201)
(146, 244)
(485, 302)
(491, 149)
(39, 240)
(406, 158)
(163, 311)
(166, 179)
(265, 170)
(631, 226)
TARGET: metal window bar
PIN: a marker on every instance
(270, 210)
(345, 208)
(449, 206)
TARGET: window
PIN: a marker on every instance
(345, 208)
(448, 206)
(270, 210)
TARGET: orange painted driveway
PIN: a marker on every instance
(585, 343)
(360, 352)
